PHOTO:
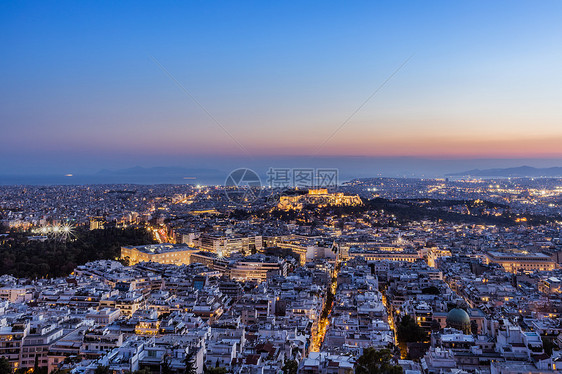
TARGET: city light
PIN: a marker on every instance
(210, 187)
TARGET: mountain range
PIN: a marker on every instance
(516, 172)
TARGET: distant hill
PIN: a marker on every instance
(518, 172)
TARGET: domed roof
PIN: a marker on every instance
(458, 317)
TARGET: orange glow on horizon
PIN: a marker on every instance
(352, 143)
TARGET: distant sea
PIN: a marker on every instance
(216, 172)
(104, 179)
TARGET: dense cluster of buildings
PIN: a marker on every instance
(275, 286)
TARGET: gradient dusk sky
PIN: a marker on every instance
(81, 88)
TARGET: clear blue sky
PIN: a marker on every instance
(79, 89)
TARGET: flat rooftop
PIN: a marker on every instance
(160, 248)
(516, 256)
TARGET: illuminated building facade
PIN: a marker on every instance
(384, 255)
(526, 262)
(257, 267)
(320, 198)
(254, 267)
(161, 253)
(226, 245)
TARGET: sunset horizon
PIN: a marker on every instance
(448, 81)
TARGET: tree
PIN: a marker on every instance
(5, 366)
(374, 361)
(189, 362)
(409, 331)
(290, 367)
(26, 258)
(219, 370)
(431, 290)
(435, 325)
(548, 345)
(143, 371)
(102, 369)
(165, 365)
(36, 364)
(474, 327)
(327, 304)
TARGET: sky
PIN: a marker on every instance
(86, 85)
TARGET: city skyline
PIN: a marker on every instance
(205, 187)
